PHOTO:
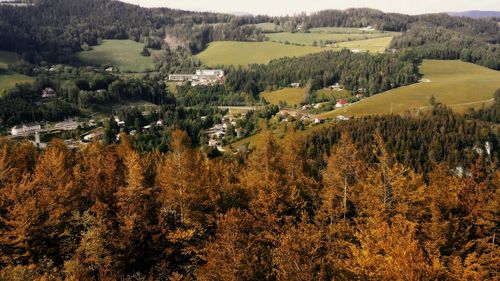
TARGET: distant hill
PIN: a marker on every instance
(475, 14)
(240, 14)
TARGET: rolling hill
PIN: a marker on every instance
(457, 84)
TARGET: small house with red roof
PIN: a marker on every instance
(341, 103)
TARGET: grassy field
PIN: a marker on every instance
(124, 54)
(457, 84)
(243, 53)
(9, 79)
(331, 94)
(345, 30)
(310, 38)
(374, 45)
(291, 96)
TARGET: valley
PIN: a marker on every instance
(189, 143)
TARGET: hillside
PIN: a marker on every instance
(123, 54)
(457, 84)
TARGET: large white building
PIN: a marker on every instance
(25, 129)
(201, 77)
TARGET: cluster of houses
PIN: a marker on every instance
(217, 133)
(289, 115)
(201, 77)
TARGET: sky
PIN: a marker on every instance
(283, 7)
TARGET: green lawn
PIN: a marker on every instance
(291, 96)
(124, 54)
(457, 84)
(9, 79)
(310, 38)
(244, 53)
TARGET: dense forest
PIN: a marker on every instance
(364, 72)
(52, 30)
(393, 197)
(110, 212)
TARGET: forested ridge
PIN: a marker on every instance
(364, 72)
(52, 30)
(342, 208)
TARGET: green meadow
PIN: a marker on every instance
(374, 45)
(318, 37)
(244, 53)
(123, 54)
(9, 79)
(457, 84)
(332, 94)
(292, 96)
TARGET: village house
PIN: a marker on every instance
(25, 129)
(360, 96)
(341, 103)
(336, 86)
(48, 93)
(214, 143)
(119, 122)
(318, 120)
(295, 85)
(342, 118)
(368, 28)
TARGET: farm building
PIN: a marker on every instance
(25, 129)
(336, 86)
(48, 93)
(341, 103)
(342, 118)
(295, 85)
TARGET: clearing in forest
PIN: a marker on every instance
(123, 54)
(9, 79)
(292, 96)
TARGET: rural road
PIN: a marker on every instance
(239, 107)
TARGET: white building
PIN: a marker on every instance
(25, 129)
(48, 93)
(201, 77)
